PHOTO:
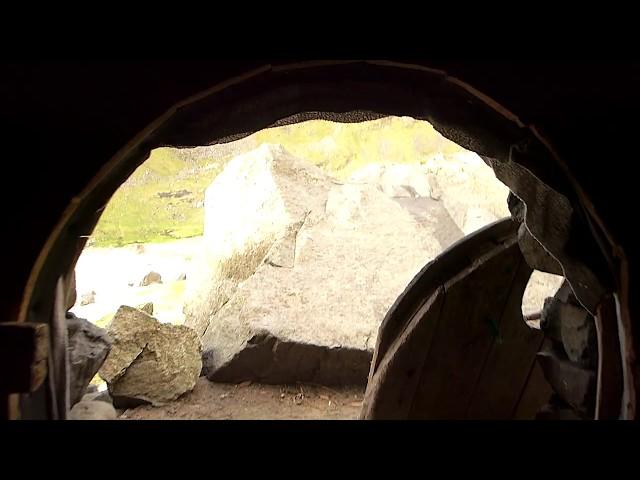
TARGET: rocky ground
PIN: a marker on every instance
(252, 401)
(114, 275)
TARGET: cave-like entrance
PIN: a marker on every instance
(348, 92)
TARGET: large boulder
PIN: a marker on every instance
(260, 197)
(150, 362)
(300, 270)
(89, 346)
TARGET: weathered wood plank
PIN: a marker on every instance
(435, 348)
(467, 328)
(391, 390)
(59, 351)
(449, 263)
(506, 370)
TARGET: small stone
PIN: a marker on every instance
(88, 298)
(146, 308)
(151, 277)
(92, 410)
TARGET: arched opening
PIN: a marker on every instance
(356, 209)
(349, 91)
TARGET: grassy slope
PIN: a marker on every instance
(137, 214)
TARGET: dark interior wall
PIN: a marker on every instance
(62, 121)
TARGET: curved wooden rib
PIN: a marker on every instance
(455, 344)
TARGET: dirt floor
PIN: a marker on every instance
(252, 401)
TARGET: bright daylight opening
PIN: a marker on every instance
(248, 279)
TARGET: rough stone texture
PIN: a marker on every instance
(535, 254)
(572, 383)
(579, 336)
(92, 410)
(146, 308)
(468, 190)
(240, 229)
(299, 273)
(573, 327)
(265, 357)
(550, 218)
(151, 277)
(88, 348)
(397, 180)
(150, 362)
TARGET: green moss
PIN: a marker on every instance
(160, 202)
(341, 149)
(145, 209)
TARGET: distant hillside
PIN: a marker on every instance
(163, 198)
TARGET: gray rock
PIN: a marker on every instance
(535, 254)
(573, 327)
(150, 362)
(92, 410)
(151, 277)
(299, 276)
(89, 346)
(579, 336)
(266, 358)
(550, 319)
(574, 384)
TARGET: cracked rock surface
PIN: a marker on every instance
(150, 362)
(299, 269)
